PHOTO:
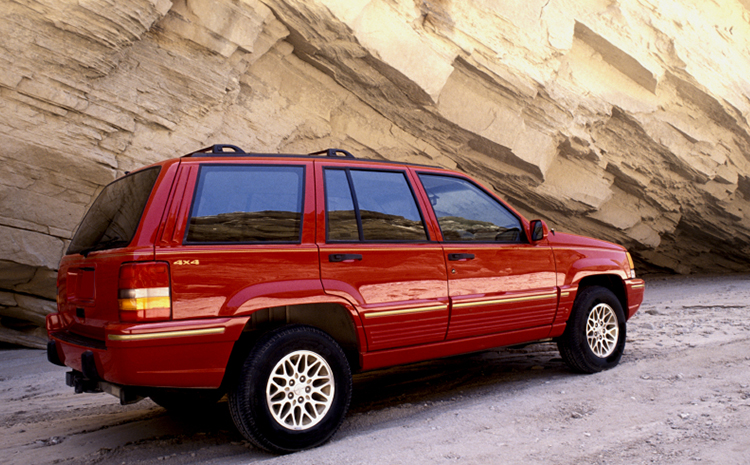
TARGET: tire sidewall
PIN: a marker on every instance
(254, 379)
(589, 299)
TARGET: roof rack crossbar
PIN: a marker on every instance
(333, 153)
(228, 150)
(218, 149)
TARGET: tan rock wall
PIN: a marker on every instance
(621, 120)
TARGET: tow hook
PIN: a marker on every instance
(86, 380)
(80, 383)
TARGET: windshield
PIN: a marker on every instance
(112, 220)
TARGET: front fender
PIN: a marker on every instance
(576, 264)
(591, 266)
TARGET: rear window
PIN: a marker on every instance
(246, 204)
(112, 220)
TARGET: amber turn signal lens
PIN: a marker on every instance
(143, 293)
(632, 266)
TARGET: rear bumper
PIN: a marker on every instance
(177, 354)
(635, 289)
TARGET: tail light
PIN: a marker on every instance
(143, 292)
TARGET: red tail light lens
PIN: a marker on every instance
(144, 293)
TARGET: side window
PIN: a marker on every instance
(381, 207)
(247, 203)
(342, 219)
(468, 214)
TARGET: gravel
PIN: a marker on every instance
(680, 395)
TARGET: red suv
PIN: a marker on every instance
(273, 277)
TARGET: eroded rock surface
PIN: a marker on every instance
(625, 121)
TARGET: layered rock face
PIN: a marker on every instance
(625, 121)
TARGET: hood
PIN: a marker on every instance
(573, 240)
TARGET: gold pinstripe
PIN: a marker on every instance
(165, 334)
(405, 311)
(505, 300)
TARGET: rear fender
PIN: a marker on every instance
(299, 302)
(281, 294)
(337, 318)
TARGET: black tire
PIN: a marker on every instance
(306, 410)
(594, 339)
(186, 400)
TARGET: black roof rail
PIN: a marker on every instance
(333, 153)
(224, 150)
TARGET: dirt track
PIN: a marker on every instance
(680, 395)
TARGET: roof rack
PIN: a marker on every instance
(218, 150)
(224, 150)
(333, 153)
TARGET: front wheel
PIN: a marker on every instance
(594, 338)
(293, 391)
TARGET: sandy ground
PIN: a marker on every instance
(680, 395)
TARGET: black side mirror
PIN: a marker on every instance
(538, 230)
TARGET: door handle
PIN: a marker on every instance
(344, 257)
(454, 257)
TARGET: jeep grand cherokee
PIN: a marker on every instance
(272, 278)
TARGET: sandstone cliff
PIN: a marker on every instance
(625, 121)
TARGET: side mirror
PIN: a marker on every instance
(538, 230)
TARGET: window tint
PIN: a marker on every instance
(382, 201)
(247, 204)
(466, 213)
(342, 220)
(114, 216)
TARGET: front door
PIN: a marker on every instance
(498, 281)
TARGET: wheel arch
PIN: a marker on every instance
(612, 282)
(333, 318)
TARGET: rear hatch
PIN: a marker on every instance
(88, 275)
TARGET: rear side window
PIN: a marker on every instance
(246, 204)
(467, 213)
(112, 220)
(367, 205)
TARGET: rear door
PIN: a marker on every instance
(498, 281)
(376, 251)
(239, 236)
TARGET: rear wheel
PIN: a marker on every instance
(293, 390)
(594, 339)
